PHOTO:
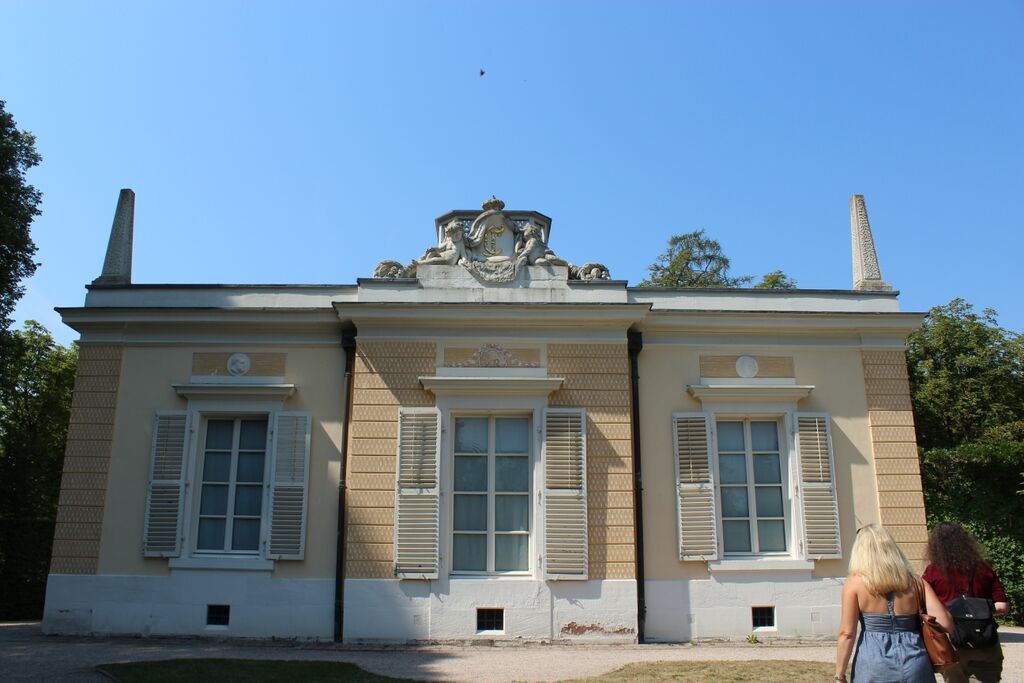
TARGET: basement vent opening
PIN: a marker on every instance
(763, 617)
(218, 615)
(488, 619)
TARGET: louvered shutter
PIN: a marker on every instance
(817, 487)
(289, 485)
(565, 494)
(695, 488)
(417, 506)
(162, 528)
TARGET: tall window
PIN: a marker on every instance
(491, 520)
(233, 474)
(750, 476)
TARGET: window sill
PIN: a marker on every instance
(252, 564)
(761, 565)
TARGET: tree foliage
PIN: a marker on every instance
(966, 376)
(35, 404)
(978, 486)
(19, 205)
(693, 259)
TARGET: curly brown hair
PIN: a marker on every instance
(953, 547)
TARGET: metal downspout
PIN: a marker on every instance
(348, 344)
(635, 345)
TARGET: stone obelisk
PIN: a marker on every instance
(867, 274)
(117, 266)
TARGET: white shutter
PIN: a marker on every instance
(817, 487)
(417, 506)
(695, 488)
(565, 494)
(289, 485)
(162, 534)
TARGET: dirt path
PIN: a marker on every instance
(27, 655)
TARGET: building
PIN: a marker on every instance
(488, 442)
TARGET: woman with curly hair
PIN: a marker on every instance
(957, 567)
(881, 593)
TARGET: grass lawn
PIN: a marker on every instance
(258, 670)
(231, 670)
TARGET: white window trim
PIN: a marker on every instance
(199, 412)
(787, 462)
(490, 533)
(456, 405)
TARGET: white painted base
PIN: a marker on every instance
(261, 607)
(384, 610)
(679, 611)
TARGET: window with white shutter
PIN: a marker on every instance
(695, 488)
(289, 485)
(417, 500)
(817, 487)
(164, 502)
(565, 494)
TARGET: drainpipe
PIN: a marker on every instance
(635, 343)
(348, 344)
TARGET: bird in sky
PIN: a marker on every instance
(482, 72)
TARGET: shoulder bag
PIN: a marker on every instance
(935, 636)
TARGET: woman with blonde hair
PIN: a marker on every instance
(881, 593)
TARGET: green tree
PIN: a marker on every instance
(693, 260)
(966, 376)
(978, 486)
(776, 280)
(35, 404)
(19, 204)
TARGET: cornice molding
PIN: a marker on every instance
(235, 391)
(492, 385)
(759, 392)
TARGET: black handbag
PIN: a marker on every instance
(975, 620)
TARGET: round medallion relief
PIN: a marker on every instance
(239, 364)
(746, 367)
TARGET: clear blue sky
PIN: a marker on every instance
(303, 142)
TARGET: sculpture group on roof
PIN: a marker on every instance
(494, 248)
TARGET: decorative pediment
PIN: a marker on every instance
(495, 246)
(491, 356)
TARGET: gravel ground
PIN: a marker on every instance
(27, 655)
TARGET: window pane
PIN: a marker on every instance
(469, 552)
(510, 553)
(253, 435)
(217, 467)
(470, 513)
(734, 501)
(214, 501)
(766, 469)
(737, 537)
(732, 469)
(246, 534)
(471, 473)
(771, 536)
(511, 513)
(471, 435)
(512, 473)
(768, 500)
(248, 499)
(211, 534)
(511, 435)
(250, 467)
(219, 433)
(730, 436)
(764, 436)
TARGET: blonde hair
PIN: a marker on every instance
(879, 561)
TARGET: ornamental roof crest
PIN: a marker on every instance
(494, 246)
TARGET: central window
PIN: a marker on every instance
(750, 477)
(233, 474)
(491, 495)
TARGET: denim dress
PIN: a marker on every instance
(890, 649)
